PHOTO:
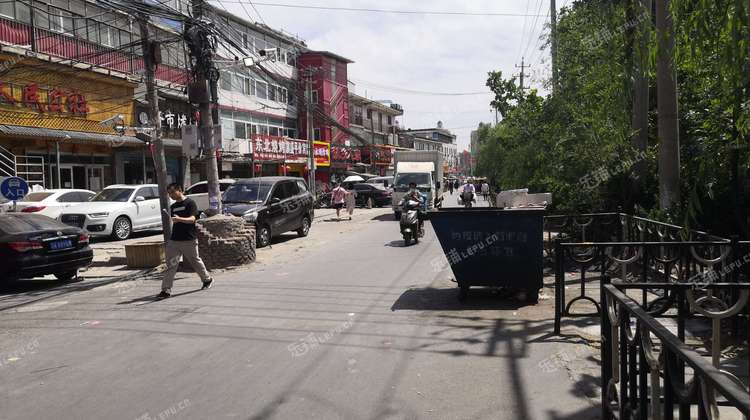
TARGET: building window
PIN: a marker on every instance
(261, 89)
(272, 92)
(225, 80)
(380, 122)
(390, 121)
(249, 86)
(357, 115)
(316, 134)
(61, 21)
(274, 131)
(7, 9)
(239, 130)
(245, 42)
(315, 96)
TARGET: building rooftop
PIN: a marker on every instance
(332, 55)
(356, 99)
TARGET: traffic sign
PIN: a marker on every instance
(14, 188)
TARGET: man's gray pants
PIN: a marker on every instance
(189, 251)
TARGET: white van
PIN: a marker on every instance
(417, 172)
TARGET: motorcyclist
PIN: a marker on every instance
(468, 187)
(414, 194)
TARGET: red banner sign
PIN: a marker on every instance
(279, 148)
(52, 100)
(322, 153)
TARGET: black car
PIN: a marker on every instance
(275, 204)
(33, 245)
(378, 195)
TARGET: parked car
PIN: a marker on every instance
(275, 204)
(50, 203)
(199, 192)
(32, 245)
(385, 181)
(117, 211)
(375, 193)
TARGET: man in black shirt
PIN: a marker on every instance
(184, 241)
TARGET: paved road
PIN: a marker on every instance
(344, 324)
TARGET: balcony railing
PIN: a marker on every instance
(80, 50)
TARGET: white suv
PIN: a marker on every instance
(198, 192)
(117, 211)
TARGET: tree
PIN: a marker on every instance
(666, 85)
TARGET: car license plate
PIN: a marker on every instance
(60, 244)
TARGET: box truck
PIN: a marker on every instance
(424, 167)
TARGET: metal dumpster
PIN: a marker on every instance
(492, 247)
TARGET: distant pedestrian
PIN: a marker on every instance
(486, 191)
(456, 185)
(450, 187)
(351, 200)
(338, 195)
(184, 241)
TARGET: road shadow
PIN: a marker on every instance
(134, 235)
(434, 299)
(387, 217)
(31, 285)
(151, 298)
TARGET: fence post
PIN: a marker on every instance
(606, 350)
(559, 283)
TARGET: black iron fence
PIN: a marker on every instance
(629, 248)
(650, 373)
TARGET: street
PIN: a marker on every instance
(344, 324)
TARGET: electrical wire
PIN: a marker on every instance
(408, 12)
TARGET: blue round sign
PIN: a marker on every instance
(14, 188)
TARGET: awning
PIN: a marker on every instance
(113, 140)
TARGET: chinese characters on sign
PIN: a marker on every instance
(279, 148)
(52, 100)
(346, 154)
(174, 120)
(496, 244)
(322, 153)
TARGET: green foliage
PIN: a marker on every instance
(554, 143)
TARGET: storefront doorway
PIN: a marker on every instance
(79, 176)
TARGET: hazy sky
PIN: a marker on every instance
(421, 52)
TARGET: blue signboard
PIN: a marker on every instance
(14, 188)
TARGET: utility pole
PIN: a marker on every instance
(522, 75)
(152, 57)
(553, 42)
(310, 129)
(205, 93)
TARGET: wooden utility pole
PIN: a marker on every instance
(152, 57)
(666, 87)
(553, 42)
(206, 90)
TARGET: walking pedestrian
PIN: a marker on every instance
(486, 190)
(351, 200)
(183, 242)
(450, 187)
(338, 194)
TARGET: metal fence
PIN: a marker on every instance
(648, 372)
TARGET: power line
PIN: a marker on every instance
(404, 12)
(418, 92)
(533, 26)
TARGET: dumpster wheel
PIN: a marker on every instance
(532, 296)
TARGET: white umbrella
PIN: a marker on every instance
(354, 178)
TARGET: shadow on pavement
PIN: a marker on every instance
(388, 217)
(134, 235)
(432, 299)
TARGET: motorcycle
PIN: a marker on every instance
(410, 226)
(466, 199)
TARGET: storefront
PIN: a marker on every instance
(50, 122)
(283, 156)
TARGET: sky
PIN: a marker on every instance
(396, 54)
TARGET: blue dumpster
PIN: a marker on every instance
(492, 247)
